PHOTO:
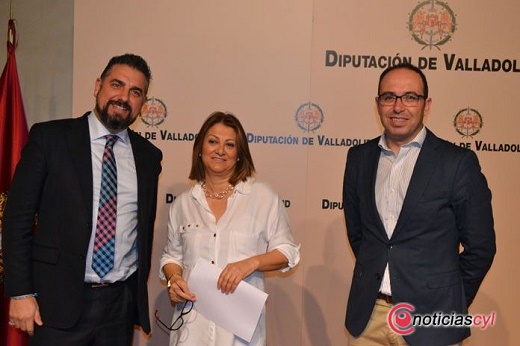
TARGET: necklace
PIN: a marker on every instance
(219, 195)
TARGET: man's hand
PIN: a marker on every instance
(23, 313)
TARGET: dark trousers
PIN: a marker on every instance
(107, 319)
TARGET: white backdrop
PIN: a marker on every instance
(276, 64)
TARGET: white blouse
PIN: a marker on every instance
(255, 222)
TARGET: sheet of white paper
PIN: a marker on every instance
(237, 312)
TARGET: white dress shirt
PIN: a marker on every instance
(255, 222)
(125, 257)
(393, 177)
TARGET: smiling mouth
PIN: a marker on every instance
(120, 105)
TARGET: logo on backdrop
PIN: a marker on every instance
(309, 117)
(468, 122)
(153, 112)
(432, 23)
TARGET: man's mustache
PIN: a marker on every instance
(121, 104)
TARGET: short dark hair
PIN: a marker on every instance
(407, 66)
(244, 167)
(132, 60)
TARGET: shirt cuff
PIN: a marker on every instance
(24, 296)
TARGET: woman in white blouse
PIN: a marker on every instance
(229, 219)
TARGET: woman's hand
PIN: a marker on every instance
(178, 289)
(233, 273)
(231, 276)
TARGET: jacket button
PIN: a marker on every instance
(377, 276)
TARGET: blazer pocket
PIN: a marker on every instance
(46, 254)
(444, 279)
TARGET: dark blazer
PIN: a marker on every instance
(447, 203)
(54, 180)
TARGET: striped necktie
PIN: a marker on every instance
(104, 242)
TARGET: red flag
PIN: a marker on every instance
(13, 136)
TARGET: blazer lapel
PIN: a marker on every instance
(422, 173)
(372, 161)
(80, 151)
(141, 167)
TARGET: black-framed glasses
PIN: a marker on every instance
(179, 321)
(409, 99)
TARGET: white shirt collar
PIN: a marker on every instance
(418, 140)
(98, 130)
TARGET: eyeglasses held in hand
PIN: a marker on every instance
(179, 321)
(409, 99)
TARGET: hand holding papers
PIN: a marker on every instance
(238, 312)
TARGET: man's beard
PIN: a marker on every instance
(115, 123)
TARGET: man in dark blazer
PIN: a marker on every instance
(419, 221)
(56, 295)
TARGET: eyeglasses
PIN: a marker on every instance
(408, 99)
(179, 321)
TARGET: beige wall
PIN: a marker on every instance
(44, 55)
(262, 60)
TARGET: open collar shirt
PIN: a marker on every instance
(393, 177)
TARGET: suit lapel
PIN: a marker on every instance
(422, 173)
(80, 151)
(372, 161)
(141, 166)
